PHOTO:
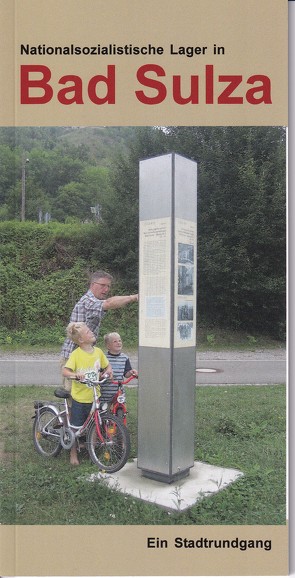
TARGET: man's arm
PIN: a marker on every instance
(118, 301)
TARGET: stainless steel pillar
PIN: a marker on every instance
(167, 318)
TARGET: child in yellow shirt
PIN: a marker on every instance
(85, 362)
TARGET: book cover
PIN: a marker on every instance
(132, 63)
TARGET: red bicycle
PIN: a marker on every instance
(118, 403)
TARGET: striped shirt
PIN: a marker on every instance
(89, 310)
(121, 365)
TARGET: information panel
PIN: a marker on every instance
(185, 284)
(155, 256)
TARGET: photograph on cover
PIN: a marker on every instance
(141, 128)
(69, 229)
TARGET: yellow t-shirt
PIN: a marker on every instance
(90, 364)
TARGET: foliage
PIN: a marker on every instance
(121, 211)
(59, 158)
(251, 439)
(241, 223)
(241, 219)
(241, 214)
(44, 269)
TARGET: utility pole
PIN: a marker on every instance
(23, 208)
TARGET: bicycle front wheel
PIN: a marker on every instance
(111, 454)
(46, 438)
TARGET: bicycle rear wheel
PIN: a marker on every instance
(46, 438)
(111, 454)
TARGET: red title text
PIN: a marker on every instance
(152, 87)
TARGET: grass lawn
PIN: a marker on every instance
(208, 338)
(241, 427)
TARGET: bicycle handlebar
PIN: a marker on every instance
(94, 383)
(120, 382)
(105, 378)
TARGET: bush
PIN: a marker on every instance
(44, 270)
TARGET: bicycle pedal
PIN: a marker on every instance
(38, 404)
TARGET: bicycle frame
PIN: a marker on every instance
(62, 413)
(108, 440)
(117, 404)
(94, 414)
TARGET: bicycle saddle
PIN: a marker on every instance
(63, 393)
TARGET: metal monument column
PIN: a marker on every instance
(167, 316)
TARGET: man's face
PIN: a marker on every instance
(100, 288)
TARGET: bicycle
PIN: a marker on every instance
(117, 405)
(107, 438)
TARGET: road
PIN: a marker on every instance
(241, 368)
(213, 368)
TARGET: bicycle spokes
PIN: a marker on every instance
(46, 433)
(112, 451)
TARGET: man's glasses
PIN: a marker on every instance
(102, 284)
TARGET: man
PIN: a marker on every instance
(92, 307)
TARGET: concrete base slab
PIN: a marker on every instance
(203, 480)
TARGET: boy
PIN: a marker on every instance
(120, 363)
(86, 361)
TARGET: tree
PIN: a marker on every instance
(241, 205)
(120, 213)
(8, 163)
(241, 223)
(72, 200)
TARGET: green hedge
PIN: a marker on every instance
(44, 269)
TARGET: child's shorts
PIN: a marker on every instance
(79, 412)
